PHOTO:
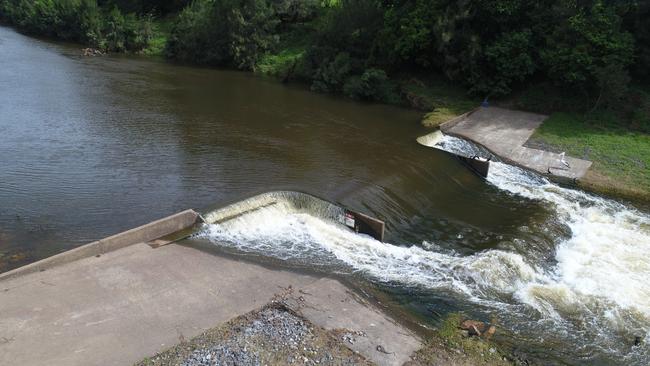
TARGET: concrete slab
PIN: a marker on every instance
(127, 304)
(504, 132)
(134, 302)
(331, 305)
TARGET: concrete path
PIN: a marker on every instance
(136, 301)
(504, 132)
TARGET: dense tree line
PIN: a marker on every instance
(491, 47)
(106, 28)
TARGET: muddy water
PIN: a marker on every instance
(93, 146)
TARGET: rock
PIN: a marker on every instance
(91, 52)
(474, 331)
(474, 327)
(490, 332)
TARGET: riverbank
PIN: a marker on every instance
(619, 147)
(621, 156)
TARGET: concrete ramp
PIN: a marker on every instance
(504, 132)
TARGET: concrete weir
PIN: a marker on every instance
(504, 132)
(121, 299)
(477, 164)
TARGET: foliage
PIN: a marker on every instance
(590, 48)
(232, 33)
(144, 7)
(295, 11)
(332, 74)
(78, 20)
(585, 45)
(372, 85)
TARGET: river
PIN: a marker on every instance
(91, 146)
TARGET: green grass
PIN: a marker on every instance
(621, 156)
(161, 28)
(473, 350)
(281, 63)
(285, 60)
(442, 100)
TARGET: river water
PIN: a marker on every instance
(93, 146)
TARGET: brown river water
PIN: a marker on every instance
(90, 146)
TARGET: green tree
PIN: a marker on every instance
(232, 33)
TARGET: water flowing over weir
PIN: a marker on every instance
(592, 291)
(94, 146)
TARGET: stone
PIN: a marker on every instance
(490, 332)
(474, 327)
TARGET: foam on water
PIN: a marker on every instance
(597, 293)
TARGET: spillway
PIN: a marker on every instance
(591, 291)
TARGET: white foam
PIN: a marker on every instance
(599, 285)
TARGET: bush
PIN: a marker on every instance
(80, 21)
(372, 85)
(124, 32)
(232, 33)
(331, 75)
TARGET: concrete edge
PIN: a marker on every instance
(553, 177)
(144, 233)
(456, 120)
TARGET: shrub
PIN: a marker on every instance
(331, 75)
(224, 32)
(79, 21)
(372, 85)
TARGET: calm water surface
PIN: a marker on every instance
(93, 146)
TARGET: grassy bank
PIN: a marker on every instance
(620, 155)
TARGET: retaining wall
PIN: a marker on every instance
(144, 233)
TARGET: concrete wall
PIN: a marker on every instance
(144, 233)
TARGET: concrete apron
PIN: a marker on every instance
(117, 301)
(504, 133)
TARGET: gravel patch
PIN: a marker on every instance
(273, 335)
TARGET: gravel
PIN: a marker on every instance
(273, 335)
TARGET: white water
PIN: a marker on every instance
(596, 294)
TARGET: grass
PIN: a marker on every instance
(444, 349)
(284, 62)
(279, 64)
(442, 100)
(161, 28)
(620, 155)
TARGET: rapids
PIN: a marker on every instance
(593, 291)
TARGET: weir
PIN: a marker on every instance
(475, 162)
(291, 201)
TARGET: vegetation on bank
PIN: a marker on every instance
(365, 49)
(620, 155)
